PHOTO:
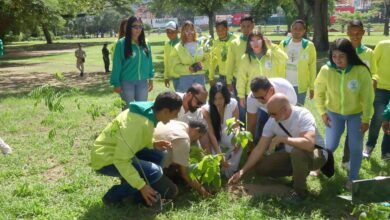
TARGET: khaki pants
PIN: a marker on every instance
(297, 164)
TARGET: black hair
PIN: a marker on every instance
(249, 50)
(221, 22)
(299, 21)
(196, 88)
(355, 23)
(214, 114)
(345, 46)
(260, 82)
(141, 38)
(169, 100)
(198, 124)
(247, 18)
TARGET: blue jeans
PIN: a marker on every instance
(149, 161)
(382, 98)
(301, 96)
(186, 81)
(242, 110)
(134, 91)
(261, 119)
(222, 79)
(355, 138)
(175, 82)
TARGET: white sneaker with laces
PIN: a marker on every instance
(367, 152)
(5, 148)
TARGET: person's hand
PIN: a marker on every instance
(203, 192)
(386, 127)
(162, 145)
(150, 85)
(311, 94)
(326, 119)
(118, 90)
(275, 142)
(374, 83)
(267, 41)
(236, 177)
(230, 88)
(167, 84)
(364, 127)
(212, 82)
(225, 163)
(242, 102)
(148, 194)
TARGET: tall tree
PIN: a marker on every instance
(320, 25)
(201, 7)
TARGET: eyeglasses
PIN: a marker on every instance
(137, 26)
(260, 97)
(198, 101)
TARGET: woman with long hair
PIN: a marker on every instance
(261, 58)
(133, 70)
(189, 58)
(344, 95)
(220, 108)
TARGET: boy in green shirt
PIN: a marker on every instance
(124, 150)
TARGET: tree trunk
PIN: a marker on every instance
(387, 16)
(320, 19)
(47, 34)
(211, 23)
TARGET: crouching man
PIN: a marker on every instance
(125, 149)
(181, 135)
(299, 156)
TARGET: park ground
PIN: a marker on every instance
(49, 177)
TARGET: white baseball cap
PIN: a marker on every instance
(171, 26)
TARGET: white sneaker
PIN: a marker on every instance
(5, 148)
(367, 152)
(346, 166)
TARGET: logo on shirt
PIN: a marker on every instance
(353, 85)
(268, 64)
(305, 56)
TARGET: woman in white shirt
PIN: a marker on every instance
(220, 108)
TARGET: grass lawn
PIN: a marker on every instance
(51, 178)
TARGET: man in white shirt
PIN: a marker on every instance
(262, 90)
(193, 99)
(181, 135)
(300, 155)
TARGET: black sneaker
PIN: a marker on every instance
(295, 198)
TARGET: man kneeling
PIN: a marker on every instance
(299, 155)
(123, 150)
(181, 135)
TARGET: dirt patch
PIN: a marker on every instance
(22, 82)
(55, 173)
(259, 190)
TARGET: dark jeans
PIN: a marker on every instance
(261, 119)
(382, 98)
(106, 64)
(148, 167)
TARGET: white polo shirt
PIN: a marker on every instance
(281, 86)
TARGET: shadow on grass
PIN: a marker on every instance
(130, 210)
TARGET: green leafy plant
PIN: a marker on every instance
(372, 211)
(207, 171)
(241, 136)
